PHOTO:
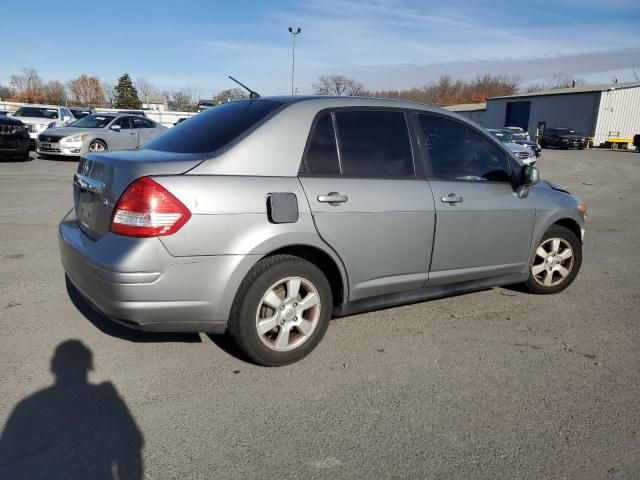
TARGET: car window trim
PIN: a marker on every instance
(303, 168)
(494, 141)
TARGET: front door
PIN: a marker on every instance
(482, 228)
(367, 201)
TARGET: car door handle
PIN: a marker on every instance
(333, 198)
(452, 199)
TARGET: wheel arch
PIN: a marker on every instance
(325, 262)
(571, 225)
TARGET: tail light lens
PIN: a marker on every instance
(147, 209)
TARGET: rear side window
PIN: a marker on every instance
(374, 144)
(322, 153)
(213, 128)
(458, 153)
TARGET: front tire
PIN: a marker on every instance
(556, 262)
(97, 146)
(281, 311)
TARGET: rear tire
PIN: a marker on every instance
(281, 311)
(556, 262)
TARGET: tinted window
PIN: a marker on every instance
(449, 146)
(213, 128)
(461, 154)
(492, 163)
(322, 153)
(123, 122)
(141, 122)
(374, 144)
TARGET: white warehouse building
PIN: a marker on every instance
(597, 111)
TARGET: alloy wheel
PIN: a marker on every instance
(553, 262)
(288, 314)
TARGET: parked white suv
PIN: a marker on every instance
(38, 118)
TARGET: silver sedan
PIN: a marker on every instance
(98, 132)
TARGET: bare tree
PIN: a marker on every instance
(556, 82)
(144, 87)
(108, 88)
(337, 85)
(87, 91)
(636, 72)
(229, 94)
(55, 93)
(28, 86)
(448, 91)
(183, 100)
(6, 92)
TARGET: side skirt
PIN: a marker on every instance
(422, 294)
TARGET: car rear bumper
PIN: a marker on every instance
(137, 283)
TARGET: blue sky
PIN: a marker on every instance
(383, 43)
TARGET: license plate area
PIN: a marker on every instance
(46, 146)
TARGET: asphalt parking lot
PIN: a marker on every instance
(495, 384)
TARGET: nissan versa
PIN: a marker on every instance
(264, 217)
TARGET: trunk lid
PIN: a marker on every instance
(101, 179)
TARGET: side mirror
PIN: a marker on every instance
(115, 128)
(66, 119)
(529, 176)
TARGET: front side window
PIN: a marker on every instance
(374, 143)
(492, 163)
(321, 157)
(458, 153)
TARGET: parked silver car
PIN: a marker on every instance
(38, 118)
(98, 132)
(263, 218)
(526, 154)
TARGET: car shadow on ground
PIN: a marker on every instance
(72, 429)
(109, 327)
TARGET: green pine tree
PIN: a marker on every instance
(126, 95)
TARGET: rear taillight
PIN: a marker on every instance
(147, 209)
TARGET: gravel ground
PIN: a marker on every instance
(496, 384)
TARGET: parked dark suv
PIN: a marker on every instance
(14, 139)
(564, 138)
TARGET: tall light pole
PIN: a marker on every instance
(293, 33)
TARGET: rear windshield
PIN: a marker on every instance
(214, 128)
(37, 112)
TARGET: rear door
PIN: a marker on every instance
(146, 129)
(483, 228)
(368, 201)
(125, 138)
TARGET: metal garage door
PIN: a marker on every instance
(518, 115)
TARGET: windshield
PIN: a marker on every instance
(38, 112)
(93, 121)
(508, 136)
(501, 136)
(214, 128)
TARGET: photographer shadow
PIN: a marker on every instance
(73, 429)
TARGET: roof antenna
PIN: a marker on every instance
(252, 94)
